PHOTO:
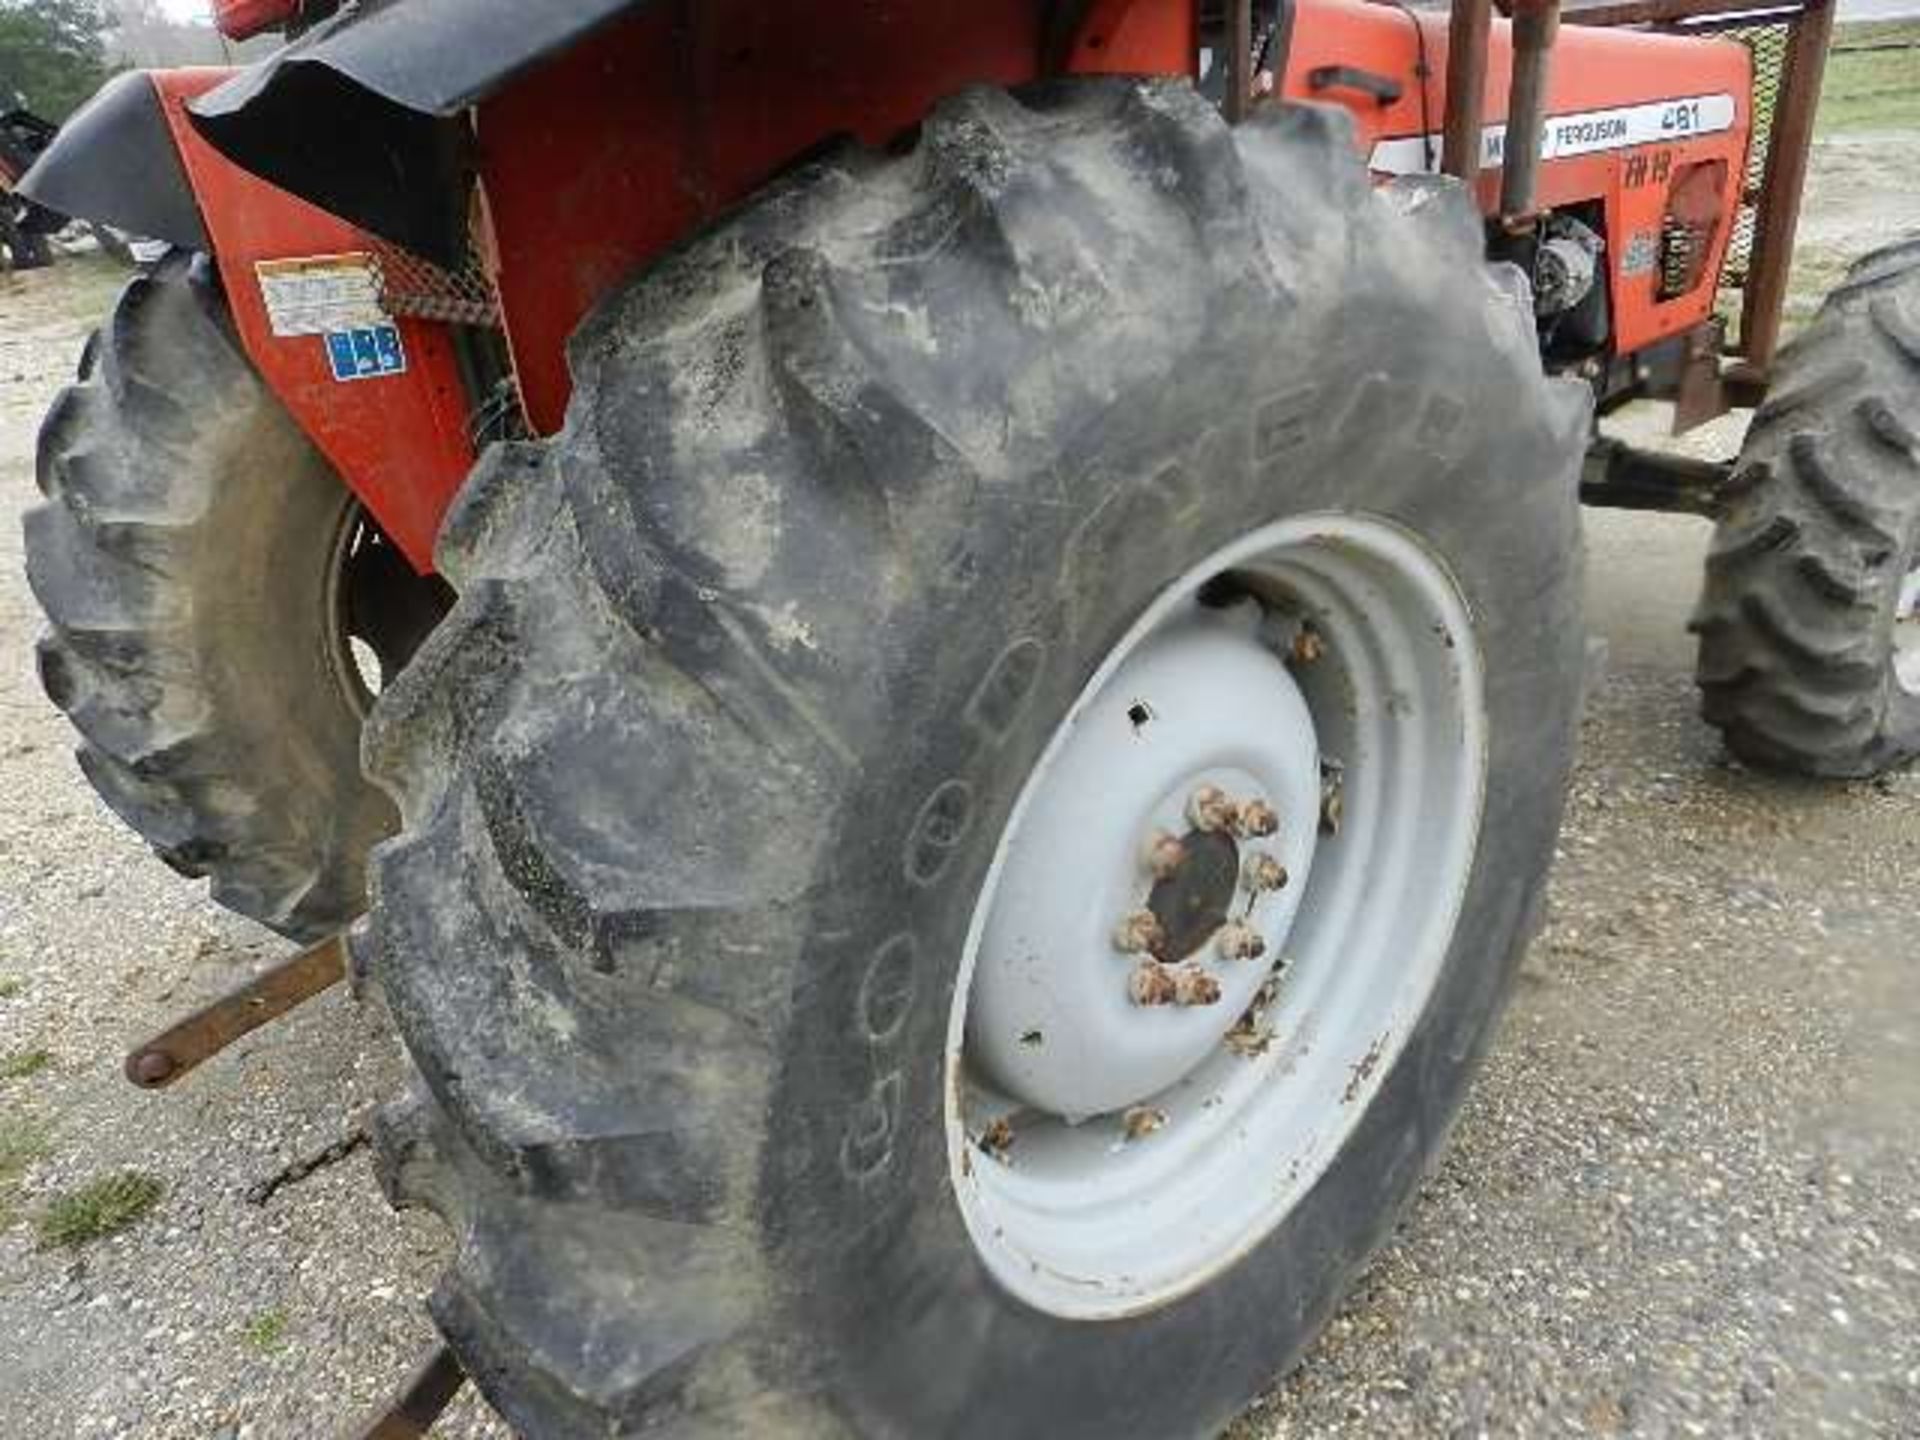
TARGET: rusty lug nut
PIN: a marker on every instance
(1256, 820)
(1193, 985)
(1262, 873)
(1165, 855)
(1153, 984)
(997, 1138)
(1308, 645)
(1241, 942)
(1211, 809)
(1139, 933)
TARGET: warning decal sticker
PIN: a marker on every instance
(321, 294)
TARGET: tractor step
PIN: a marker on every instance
(267, 996)
(418, 1403)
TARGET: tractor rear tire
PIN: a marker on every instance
(191, 556)
(1809, 654)
(702, 777)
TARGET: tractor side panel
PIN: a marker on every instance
(398, 439)
(1599, 79)
(601, 159)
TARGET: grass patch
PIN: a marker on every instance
(98, 1209)
(1873, 78)
(1853, 33)
(24, 1063)
(21, 1144)
(267, 1331)
(9, 987)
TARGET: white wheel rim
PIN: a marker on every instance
(1091, 1211)
(1906, 634)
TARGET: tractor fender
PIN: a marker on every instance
(116, 162)
(392, 81)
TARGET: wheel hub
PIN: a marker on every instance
(1189, 904)
(1216, 912)
(1202, 717)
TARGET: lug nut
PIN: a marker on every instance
(1308, 645)
(1211, 809)
(1238, 941)
(1193, 986)
(997, 1138)
(1153, 983)
(1256, 820)
(1262, 873)
(1139, 933)
(1165, 855)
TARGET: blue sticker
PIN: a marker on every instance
(365, 351)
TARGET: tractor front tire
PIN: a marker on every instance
(1809, 621)
(705, 774)
(191, 557)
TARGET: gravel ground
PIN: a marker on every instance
(1684, 1199)
(214, 1316)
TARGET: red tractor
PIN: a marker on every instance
(962, 622)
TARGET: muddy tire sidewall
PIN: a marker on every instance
(868, 1228)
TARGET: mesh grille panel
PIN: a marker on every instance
(410, 285)
(1768, 44)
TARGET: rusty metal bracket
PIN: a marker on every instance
(1618, 476)
(1701, 394)
(269, 995)
(418, 1403)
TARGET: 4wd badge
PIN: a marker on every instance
(365, 351)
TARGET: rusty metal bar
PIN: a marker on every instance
(1777, 215)
(1239, 96)
(1535, 24)
(269, 995)
(1618, 476)
(1467, 28)
(1668, 12)
(420, 1402)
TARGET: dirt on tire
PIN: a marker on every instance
(184, 557)
(746, 669)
